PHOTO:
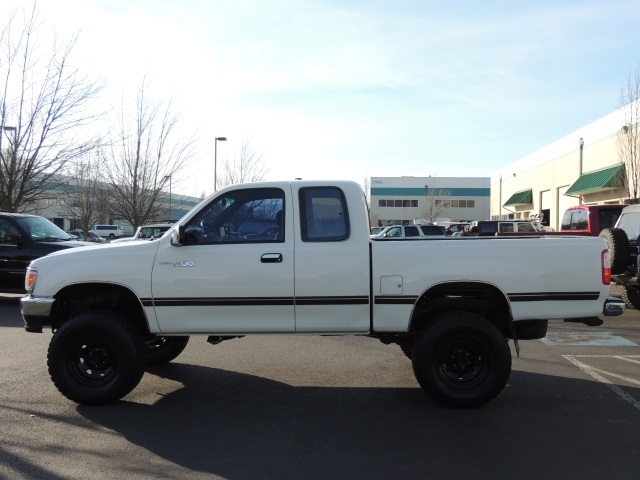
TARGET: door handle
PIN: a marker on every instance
(271, 258)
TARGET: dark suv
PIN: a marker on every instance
(24, 238)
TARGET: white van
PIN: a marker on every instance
(108, 231)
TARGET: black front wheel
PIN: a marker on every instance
(462, 360)
(96, 358)
(162, 350)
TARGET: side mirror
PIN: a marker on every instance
(177, 236)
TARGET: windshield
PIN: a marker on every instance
(152, 232)
(42, 229)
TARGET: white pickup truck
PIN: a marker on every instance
(451, 304)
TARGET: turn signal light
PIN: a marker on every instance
(30, 279)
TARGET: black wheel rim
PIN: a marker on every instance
(463, 360)
(156, 344)
(92, 359)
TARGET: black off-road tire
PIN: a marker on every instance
(164, 349)
(531, 329)
(618, 245)
(462, 360)
(96, 358)
(407, 349)
(631, 297)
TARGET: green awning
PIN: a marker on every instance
(607, 178)
(524, 197)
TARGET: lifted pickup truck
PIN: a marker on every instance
(450, 304)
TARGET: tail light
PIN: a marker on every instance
(606, 268)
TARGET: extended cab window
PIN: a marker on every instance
(323, 214)
(241, 216)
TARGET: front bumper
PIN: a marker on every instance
(35, 310)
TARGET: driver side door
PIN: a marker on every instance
(227, 277)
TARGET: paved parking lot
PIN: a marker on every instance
(329, 407)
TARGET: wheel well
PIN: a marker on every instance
(98, 296)
(482, 298)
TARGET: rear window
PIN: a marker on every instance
(575, 220)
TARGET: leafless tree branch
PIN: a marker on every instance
(144, 154)
(247, 167)
(628, 139)
(43, 102)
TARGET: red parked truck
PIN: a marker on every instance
(581, 220)
(590, 220)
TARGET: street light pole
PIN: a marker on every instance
(581, 143)
(215, 162)
(165, 179)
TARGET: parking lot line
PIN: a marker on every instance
(596, 374)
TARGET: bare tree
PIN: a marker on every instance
(628, 139)
(86, 199)
(146, 153)
(43, 103)
(248, 167)
(436, 204)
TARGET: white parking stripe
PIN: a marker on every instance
(627, 359)
(593, 372)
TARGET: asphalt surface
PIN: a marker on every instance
(278, 407)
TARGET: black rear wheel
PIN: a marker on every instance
(96, 358)
(461, 359)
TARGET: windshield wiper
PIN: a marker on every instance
(50, 239)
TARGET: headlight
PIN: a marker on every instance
(30, 279)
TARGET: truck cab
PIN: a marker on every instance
(590, 219)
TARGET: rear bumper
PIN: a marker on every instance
(35, 310)
(613, 307)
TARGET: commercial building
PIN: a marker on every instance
(582, 168)
(401, 200)
(63, 211)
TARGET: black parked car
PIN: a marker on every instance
(24, 238)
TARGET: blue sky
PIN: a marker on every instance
(348, 89)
